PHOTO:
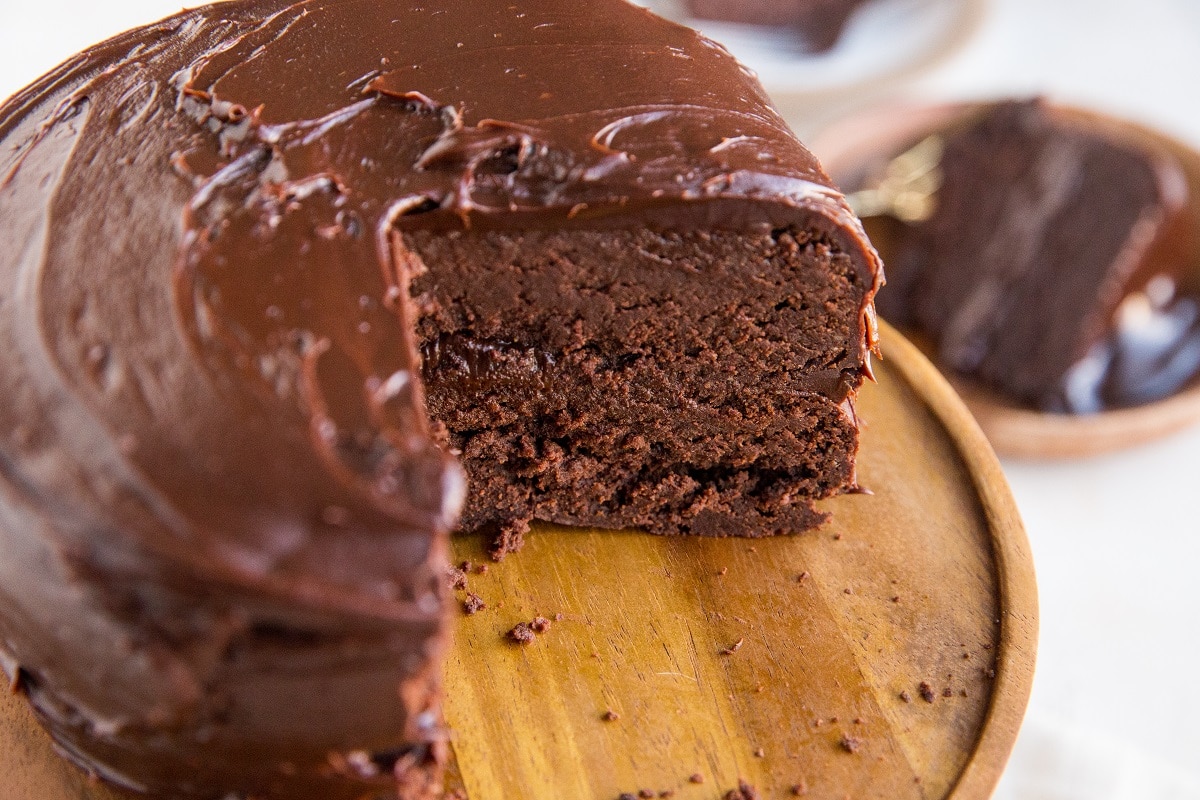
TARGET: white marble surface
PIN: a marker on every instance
(1116, 706)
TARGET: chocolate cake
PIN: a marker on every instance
(1043, 226)
(277, 275)
(818, 24)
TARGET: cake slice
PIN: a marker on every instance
(1044, 224)
(279, 274)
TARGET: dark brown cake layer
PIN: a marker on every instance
(223, 507)
(1042, 227)
(817, 23)
(675, 382)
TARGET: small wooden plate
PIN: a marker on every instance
(851, 147)
(789, 662)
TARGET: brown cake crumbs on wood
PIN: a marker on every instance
(540, 624)
(522, 634)
(473, 604)
(926, 691)
(696, 777)
(760, 753)
(610, 716)
(850, 744)
(456, 578)
(744, 792)
(947, 692)
(905, 696)
(800, 789)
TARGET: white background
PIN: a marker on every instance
(1116, 706)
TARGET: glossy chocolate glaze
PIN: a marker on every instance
(222, 519)
(1151, 352)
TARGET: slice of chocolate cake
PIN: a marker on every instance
(818, 23)
(270, 267)
(1042, 226)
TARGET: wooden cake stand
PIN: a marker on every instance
(888, 655)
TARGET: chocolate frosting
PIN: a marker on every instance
(222, 517)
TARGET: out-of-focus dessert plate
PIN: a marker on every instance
(869, 138)
(889, 654)
(884, 41)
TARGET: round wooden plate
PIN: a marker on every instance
(855, 145)
(887, 655)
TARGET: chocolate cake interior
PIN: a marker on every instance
(677, 382)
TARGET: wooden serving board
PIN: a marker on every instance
(787, 662)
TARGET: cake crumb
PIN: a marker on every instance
(802, 577)
(733, 648)
(696, 777)
(522, 634)
(473, 604)
(926, 691)
(723, 571)
(540, 624)
(896, 598)
(760, 753)
(800, 789)
(744, 792)
(610, 716)
(559, 617)
(837, 537)
(456, 578)
(646, 794)
(850, 744)
(947, 692)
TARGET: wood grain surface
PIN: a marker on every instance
(788, 662)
